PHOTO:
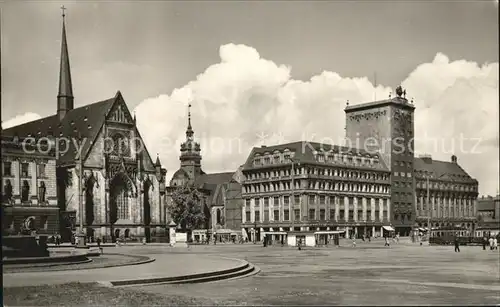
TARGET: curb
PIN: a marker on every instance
(197, 277)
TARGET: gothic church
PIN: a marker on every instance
(122, 189)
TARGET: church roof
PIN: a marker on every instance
(446, 170)
(84, 122)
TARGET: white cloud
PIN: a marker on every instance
(244, 95)
(20, 119)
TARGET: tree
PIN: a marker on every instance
(187, 208)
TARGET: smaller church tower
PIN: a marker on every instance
(65, 94)
(190, 153)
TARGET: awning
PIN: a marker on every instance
(388, 228)
(275, 233)
(422, 229)
(329, 232)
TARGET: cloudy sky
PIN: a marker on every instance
(264, 72)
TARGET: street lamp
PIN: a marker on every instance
(81, 235)
(429, 206)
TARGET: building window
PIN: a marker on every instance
(267, 160)
(322, 214)
(44, 222)
(41, 191)
(257, 202)
(368, 215)
(25, 191)
(24, 169)
(248, 216)
(311, 199)
(41, 170)
(286, 200)
(247, 203)
(395, 174)
(351, 215)
(396, 216)
(276, 201)
(266, 202)
(377, 215)
(266, 215)
(276, 215)
(296, 213)
(297, 199)
(341, 214)
(286, 214)
(257, 215)
(7, 169)
(322, 199)
(332, 214)
(312, 214)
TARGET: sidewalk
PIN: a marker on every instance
(166, 265)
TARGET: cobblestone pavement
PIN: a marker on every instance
(368, 274)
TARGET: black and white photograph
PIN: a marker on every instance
(250, 153)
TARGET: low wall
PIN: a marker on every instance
(54, 259)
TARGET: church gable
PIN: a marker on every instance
(120, 112)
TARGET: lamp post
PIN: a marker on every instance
(429, 207)
(81, 235)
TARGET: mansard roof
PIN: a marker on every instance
(84, 122)
(443, 170)
(304, 152)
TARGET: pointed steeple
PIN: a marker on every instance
(189, 131)
(65, 94)
(157, 160)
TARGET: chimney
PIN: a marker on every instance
(454, 159)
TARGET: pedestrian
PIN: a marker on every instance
(99, 244)
(491, 243)
(386, 241)
(397, 238)
(144, 241)
(495, 243)
(353, 241)
(457, 245)
(484, 243)
(299, 244)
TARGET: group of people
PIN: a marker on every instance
(492, 242)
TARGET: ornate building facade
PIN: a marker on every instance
(452, 196)
(219, 190)
(29, 201)
(304, 187)
(102, 163)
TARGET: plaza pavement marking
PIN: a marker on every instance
(439, 284)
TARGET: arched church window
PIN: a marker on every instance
(120, 145)
(218, 216)
(122, 205)
(25, 191)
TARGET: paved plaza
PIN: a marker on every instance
(404, 274)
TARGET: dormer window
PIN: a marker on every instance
(72, 123)
(89, 126)
(85, 119)
(60, 134)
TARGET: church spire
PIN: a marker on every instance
(65, 94)
(189, 131)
